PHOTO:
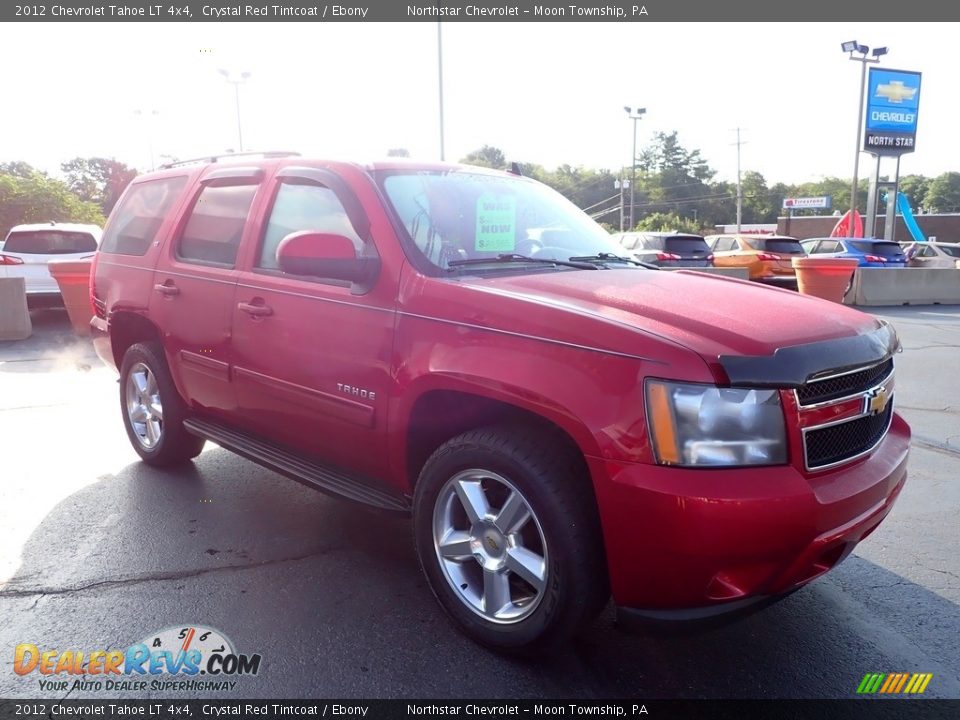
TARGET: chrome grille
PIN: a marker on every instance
(833, 388)
(844, 441)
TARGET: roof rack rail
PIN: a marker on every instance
(222, 156)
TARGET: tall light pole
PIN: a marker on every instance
(851, 48)
(236, 82)
(738, 143)
(149, 115)
(634, 114)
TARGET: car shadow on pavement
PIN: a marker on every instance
(332, 597)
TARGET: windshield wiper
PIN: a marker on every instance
(610, 257)
(516, 258)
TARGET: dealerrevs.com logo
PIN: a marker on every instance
(189, 657)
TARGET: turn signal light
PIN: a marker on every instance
(767, 256)
(667, 256)
(874, 258)
(8, 260)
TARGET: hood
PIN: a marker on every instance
(712, 315)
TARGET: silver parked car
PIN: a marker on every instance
(667, 249)
(933, 254)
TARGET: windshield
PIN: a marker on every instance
(687, 246)
(462, 215)
(951, 250)
(50, 242)
(779, 245)
(883, 249)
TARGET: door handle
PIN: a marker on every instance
(255, 310)
(167, 289)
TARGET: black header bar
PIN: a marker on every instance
(914, 708)
(634, 11)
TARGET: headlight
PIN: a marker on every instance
(703, 425)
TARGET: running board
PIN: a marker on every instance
(309, 472)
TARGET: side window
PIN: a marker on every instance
(928, 251)
(134, 223)
(629, 242)
(829, 246)
(304, 207)
(213, 230)
(726, 244)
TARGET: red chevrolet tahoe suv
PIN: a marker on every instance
(464, 345)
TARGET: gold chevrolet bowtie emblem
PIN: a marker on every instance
(877, 401)
(896, 92)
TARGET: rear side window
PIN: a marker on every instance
(213, 230)
(134, 223)
(304, 207)
(651, 243)
(687, 245)
(50, 242)
(784, 247)
(951, 250)
(883, 249)
(725, 244)
(829, 246)
(629, 242)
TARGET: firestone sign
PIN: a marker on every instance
(893, 103)
(806, 203)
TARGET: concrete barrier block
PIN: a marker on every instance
(742, 273)
(904, 286)
(14, 316)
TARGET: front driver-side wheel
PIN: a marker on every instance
(153, 412)
(508, 536)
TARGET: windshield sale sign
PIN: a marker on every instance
(893, 103)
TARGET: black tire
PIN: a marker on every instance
(550, 476)
(175, 445)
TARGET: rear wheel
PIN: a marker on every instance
(153, 412)
(508, 537)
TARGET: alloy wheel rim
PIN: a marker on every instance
(144, 408)
(490, 546)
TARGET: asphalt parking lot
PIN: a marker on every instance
(100, 551)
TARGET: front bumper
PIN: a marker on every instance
(689, 544)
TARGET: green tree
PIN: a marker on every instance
(42, 199)
(915, 187)
(19, 168)
(487, 156)
(675, 180)
(98, 180)
(758, 203)
(667, 222)
(943, 196)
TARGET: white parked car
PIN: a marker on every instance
(933, 254)
(28, 248)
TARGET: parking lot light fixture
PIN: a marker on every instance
(236, 81)
(852, 47)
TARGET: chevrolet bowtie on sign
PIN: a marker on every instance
(893, 104)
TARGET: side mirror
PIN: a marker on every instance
(324, 255)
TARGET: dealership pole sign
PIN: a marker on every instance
(893, 105)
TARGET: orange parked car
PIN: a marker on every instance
(769, 258)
